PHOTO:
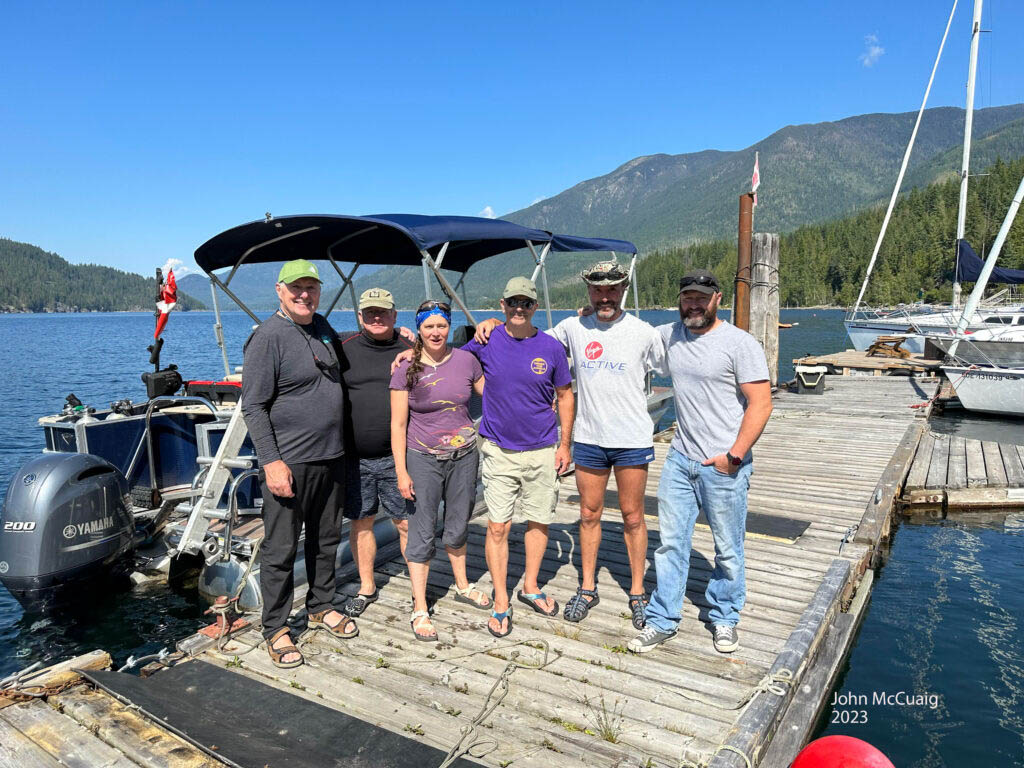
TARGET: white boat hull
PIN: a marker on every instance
(989, 390)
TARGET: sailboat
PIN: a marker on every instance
(987, 388)
(865, 325)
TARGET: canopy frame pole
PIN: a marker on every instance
(542, 270)
(986, 271)
(429, 263)
(249, 252)
(347, 281)
(218, 329)
(961, 213)
(241, 304)
(636, 291)
(903, 168)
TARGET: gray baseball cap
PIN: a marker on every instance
(520, 286)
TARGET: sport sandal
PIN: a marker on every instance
(578, 606)
(532, 600)
(359, 602)
(277, 654)
(638, 609)
(481, 601)
(421, 620)
(343, 630)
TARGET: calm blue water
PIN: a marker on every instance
(945, 617)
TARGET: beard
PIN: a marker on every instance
(696, 319)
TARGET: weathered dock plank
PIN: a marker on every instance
(1012, 465)
(956, 472)
(993, 464)
(62, 738)
(976, 476)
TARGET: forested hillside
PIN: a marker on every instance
(825, 264)
(33, 280)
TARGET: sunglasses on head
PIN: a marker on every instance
(707, 282)
(523, 303)
(426, 305)
(613, 274)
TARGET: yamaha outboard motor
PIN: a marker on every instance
(65, 520)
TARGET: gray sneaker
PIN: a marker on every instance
(649, 639)
(727, 639)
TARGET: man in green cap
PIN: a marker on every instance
(292, 401)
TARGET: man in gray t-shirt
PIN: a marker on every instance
(723, 401)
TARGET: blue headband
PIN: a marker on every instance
(435, 310)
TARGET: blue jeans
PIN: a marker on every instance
(686, 487)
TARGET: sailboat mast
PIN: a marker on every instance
(961, 216)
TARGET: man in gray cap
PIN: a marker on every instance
(371, 483)
(723, 401)
(612, 351)
(292, 402)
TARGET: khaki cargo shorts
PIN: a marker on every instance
(507, 475)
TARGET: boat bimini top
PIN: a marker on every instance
(453, 243)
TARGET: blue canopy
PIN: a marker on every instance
(388, 238)
(969, 266)
(572, 243)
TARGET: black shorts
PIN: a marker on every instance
(371, 484)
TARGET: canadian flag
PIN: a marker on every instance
(166, 300)
(755, 180)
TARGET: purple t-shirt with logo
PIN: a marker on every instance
(439, 419)
(521, 378)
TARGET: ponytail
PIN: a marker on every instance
(413, 372)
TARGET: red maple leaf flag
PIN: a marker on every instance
(168, 298)
(755, 180)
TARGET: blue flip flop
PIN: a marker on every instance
(530, 600)
(501, 617)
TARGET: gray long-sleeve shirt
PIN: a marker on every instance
(292, 408)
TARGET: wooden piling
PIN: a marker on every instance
(764, 297)
(741, 297)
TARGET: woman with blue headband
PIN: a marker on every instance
(433, 440)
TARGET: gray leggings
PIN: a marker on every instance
(454, 482)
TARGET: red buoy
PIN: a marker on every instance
(840, 752)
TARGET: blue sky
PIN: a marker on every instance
(132, 132)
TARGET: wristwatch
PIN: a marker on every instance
(734, 460)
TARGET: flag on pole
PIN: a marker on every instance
(166, 300)
(755, 180)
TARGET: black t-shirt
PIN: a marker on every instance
(367, 394)
(292, 396)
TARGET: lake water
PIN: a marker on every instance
(944, 619)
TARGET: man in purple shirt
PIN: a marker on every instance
(521, 452)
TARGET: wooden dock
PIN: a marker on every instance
(830, 465)
(952, 473)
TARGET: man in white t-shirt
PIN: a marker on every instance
(611, 352)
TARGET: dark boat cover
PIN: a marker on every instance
(969, 266)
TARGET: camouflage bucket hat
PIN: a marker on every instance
(605, 273)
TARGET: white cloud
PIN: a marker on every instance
(872, 51)
(180, 270)
(487, 212)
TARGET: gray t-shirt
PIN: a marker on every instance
(292, 408)
(707, 371)
(611, 361)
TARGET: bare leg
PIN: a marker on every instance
(591, 484)
(496, 551)
(418, 573)
(402, 526)
(536, 542)
(363, 546)
(632, 482)
(457, 557)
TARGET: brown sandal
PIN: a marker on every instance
(339, 630)
(276, 654)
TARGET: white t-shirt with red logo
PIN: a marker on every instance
(610, 363)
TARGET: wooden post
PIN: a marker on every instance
(741, 296)
(764, 298)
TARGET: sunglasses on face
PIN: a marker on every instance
(524, 303)
(707, 282)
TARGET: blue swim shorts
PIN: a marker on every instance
(596, 457)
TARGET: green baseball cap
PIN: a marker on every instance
(520, 286)
(376, 297)
(293, 270)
